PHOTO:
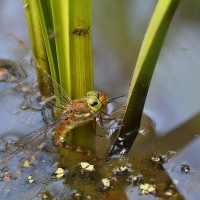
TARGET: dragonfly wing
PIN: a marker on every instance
(31, 171)
(22, 98)
(34, 140)
(28, 141)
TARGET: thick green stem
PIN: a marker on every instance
(36, 37)
(72, 23)
(144, 69)
(66, 29)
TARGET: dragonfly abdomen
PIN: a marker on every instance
(70, 123)
(78, 149)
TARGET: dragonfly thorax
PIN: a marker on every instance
(77, 105)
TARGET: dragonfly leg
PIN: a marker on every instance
(101, 124)
(100, 120)
(94, 126)
(105, 113)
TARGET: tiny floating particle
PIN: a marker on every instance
(86, 167)
(120, 170)
(45, 196)
(175, 181)
(30, 179)
(157, 159)
(78, 196)
(146, 189)
(123, 152)
(7, 176)
(136, 179)
(105, 182)
(169, 192)
(27, 164)
(172, 152)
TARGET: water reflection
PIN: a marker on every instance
(187, 183)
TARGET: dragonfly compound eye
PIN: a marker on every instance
(92, 101)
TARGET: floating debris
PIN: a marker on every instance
(175, 182)
(30, 162)
(169, 192)
(59, 173)
(136, 179)
(185, 168)
(86, 167)
(172, 152)
(78, 196)
(106, 183)
(157, 159)
(123, 152)
(7, 176)
(27, 164)
(30, 179)
(120, 170)
(46, 196)
(146, 189)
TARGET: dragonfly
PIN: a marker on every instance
(20, 94)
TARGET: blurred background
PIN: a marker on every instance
(117, 32)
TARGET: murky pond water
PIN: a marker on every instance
(172, 103)
(34, 173)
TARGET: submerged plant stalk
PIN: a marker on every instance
(144, 69)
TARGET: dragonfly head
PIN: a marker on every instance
(96, 100)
